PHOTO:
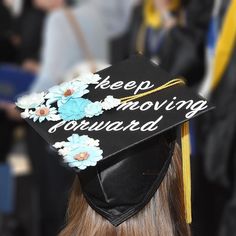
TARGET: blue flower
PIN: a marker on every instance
(73, 109)
(93, 109)
(83, 156)
(75, 140)
(64, 92)
(80, 151)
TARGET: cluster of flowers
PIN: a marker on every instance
(77, 151)
(68, 97)
(80, 151)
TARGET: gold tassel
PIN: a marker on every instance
(185, 140)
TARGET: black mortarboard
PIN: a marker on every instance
(117, 128)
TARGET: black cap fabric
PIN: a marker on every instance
(119, 188)
(121, 150)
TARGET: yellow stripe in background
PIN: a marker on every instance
(225, 44)
(152, 17)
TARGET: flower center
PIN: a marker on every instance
(42, 111)
(68, 92)
(81, 156)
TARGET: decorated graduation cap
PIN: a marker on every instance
(117, 129)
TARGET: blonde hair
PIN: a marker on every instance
(163, 215)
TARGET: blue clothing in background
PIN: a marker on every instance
(6, 189)
(13, 82)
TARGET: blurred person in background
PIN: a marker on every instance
(173, 33)
(169, 32)
(217, 138)
(72, 36)
(81, 35)
(98, 21)
(20, 37)
(21, 26)
(20, 30)
(52, 181)
(24, 35)
(7, 49)
(20, 33)
(24, 32)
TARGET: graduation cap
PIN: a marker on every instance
(117, 129)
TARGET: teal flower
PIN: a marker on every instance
(64, 92)
(75, 140)
(80, 151)
(73, 109)
(83, 156)
(93, 109)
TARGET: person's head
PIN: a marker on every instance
(16, 6)
(47, 5)
(122, 148)
(8, 2)
(164, 13)
(163, 215)
(170, 5)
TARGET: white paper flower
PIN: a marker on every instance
(84, 68)
(30, 101)
(64, 92)
(25, 114)
(88, 78)
(64, 151)
(85, 140)
(93, 142)
(43, 112)
(93, 109)
(59, 144)
(74, 140)
(110, 102)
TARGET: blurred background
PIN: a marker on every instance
(43, 42)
